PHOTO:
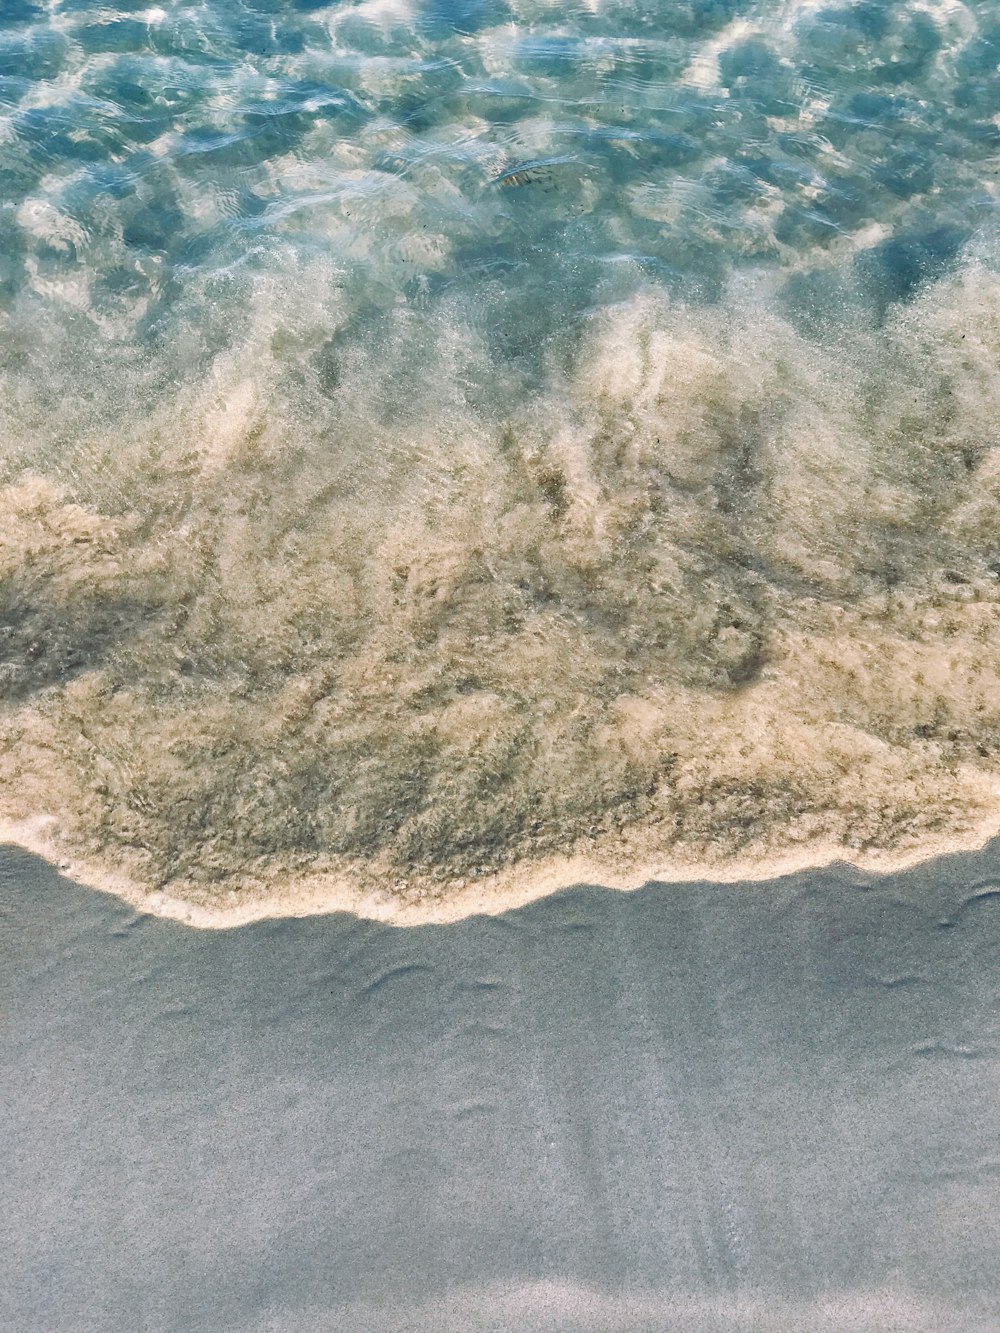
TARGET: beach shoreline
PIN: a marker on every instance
(321, 894)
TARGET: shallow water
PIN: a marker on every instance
(718, 1108)
(436, 436)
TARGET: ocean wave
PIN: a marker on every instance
(715, 588)
(443, 440)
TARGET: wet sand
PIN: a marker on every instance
(766, 1106)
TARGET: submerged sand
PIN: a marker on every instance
(711, 597)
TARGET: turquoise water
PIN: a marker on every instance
(435, 434)
(520, 164)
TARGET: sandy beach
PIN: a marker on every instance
(717, 1107)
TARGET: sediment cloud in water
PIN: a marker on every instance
(703, 587)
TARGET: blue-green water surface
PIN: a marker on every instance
(532, 154)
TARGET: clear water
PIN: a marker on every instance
(435, 436)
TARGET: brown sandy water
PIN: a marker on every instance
(711, 594)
